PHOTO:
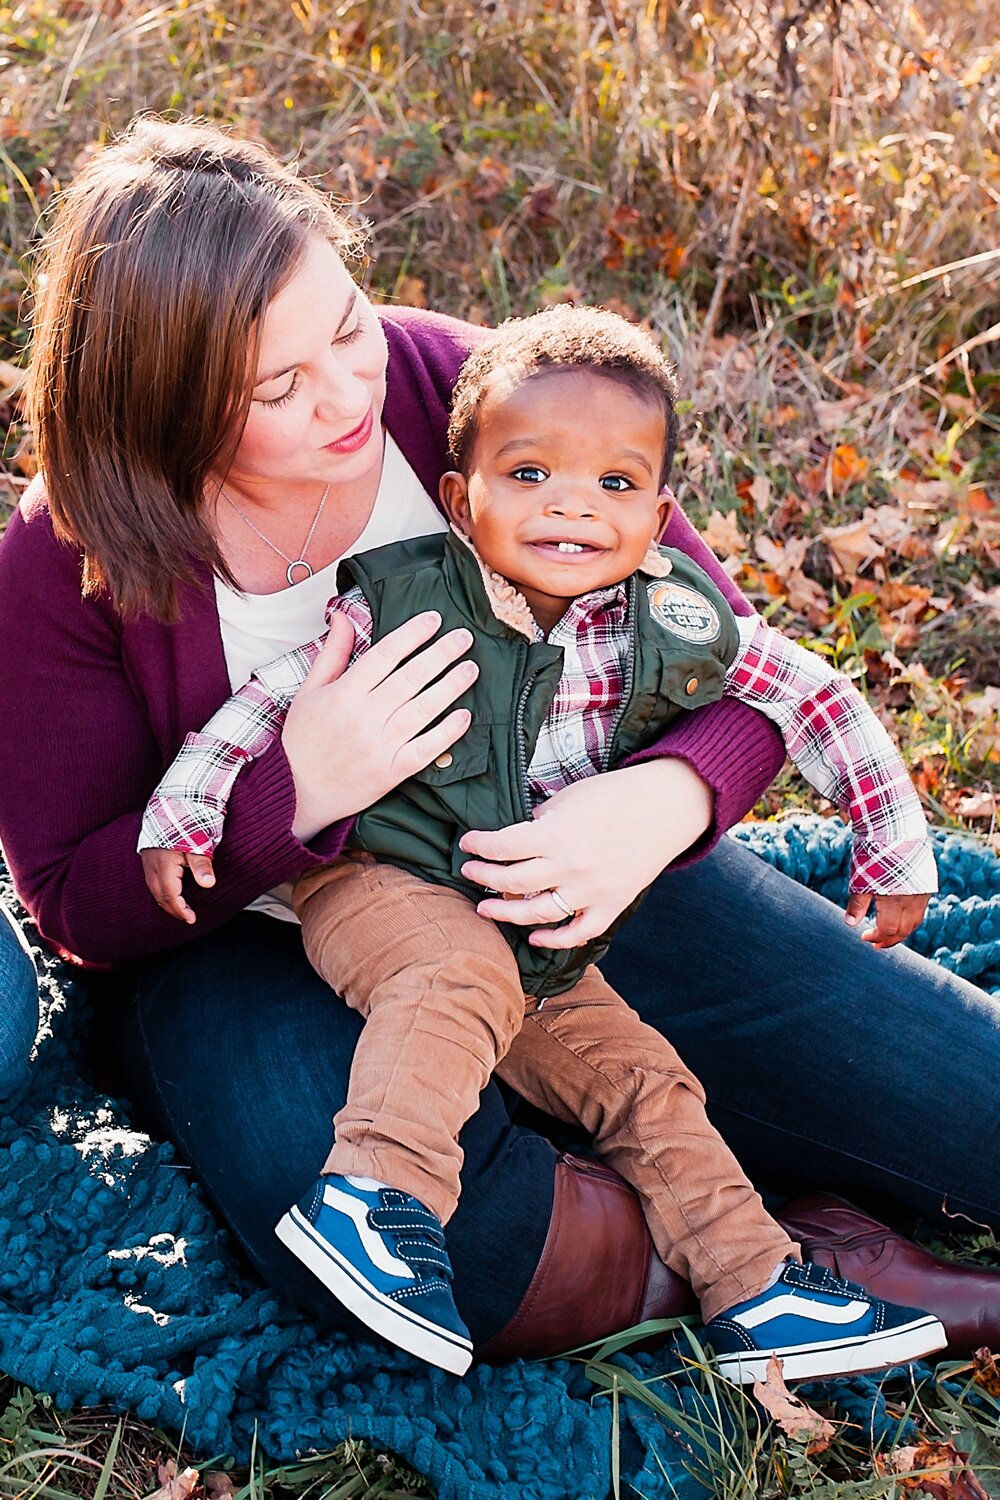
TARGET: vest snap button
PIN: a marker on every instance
(444, 760)
(692, 686)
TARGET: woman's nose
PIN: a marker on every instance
(341, 391)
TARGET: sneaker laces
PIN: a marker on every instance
(810, 1275)
(417, 1232)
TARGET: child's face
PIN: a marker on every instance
(563, 491)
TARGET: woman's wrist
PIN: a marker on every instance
(681, 804)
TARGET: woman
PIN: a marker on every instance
(220, 417)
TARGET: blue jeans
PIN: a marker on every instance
(827, 1065)
(18, 1004)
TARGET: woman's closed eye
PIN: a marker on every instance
(285, 395)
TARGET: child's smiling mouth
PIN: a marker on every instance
(565, 550)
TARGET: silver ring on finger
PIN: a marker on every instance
(563, 906)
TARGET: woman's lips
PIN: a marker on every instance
(356, 438)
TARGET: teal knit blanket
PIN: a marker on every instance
(118, 1286)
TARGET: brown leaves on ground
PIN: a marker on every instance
(174, 1485)
(792, 1415)
(935, 1469)
(986, 1370)
(188, 1484)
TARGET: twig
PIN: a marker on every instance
(729, 261)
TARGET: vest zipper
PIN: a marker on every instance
(522, 759)
(633, 615)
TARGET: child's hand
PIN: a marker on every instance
(164, 871)
(896, 917)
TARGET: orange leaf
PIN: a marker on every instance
(986, 1371)
(847, 465)
(936, 1469)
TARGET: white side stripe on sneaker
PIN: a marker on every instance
(794, 1306)
(373, 1243)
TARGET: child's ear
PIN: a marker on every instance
(664, 510)
(454, 493)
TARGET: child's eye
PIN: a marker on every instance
(616, 483)
(530, 473)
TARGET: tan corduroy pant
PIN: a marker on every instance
(441, 996)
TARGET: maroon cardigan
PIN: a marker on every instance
(95, 708)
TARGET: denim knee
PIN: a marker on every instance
(18, 1004)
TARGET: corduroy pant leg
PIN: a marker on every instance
(585, 1056)
(441, 996)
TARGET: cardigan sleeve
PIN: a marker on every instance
(79, 757)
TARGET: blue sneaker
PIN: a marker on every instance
(381, 1253)
(818, 1326)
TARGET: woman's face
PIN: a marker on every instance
(316, 410)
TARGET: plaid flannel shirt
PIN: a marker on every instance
(829, 731)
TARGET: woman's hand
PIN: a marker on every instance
(353, 733)
(598, 843)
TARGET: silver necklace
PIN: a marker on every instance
(293, 562)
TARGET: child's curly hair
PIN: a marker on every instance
(562, 337)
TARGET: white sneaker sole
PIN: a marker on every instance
(400, 1325)
(896, 1346)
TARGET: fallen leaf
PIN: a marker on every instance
(832, 415)
(936, 1469)
(761, 492)
(218, 1485)
(723, 535)
(174, 1486)
(852, 545)
(792, 1415)
(847, 466)
(986, 1370)
(982, 805)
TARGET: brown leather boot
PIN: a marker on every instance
(598, 1273)
(835, 1234)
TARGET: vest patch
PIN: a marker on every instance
(683, 611)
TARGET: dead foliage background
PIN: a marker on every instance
(801, 198)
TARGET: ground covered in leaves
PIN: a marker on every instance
(801, 199)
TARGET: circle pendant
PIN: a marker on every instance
(300, 562)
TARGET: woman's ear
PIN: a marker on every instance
(454, 493)
(664, 510)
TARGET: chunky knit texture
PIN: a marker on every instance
(118, 1286)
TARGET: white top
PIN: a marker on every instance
(257, 628)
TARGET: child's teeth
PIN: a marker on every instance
(569, 546)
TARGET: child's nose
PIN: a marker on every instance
(572, 504)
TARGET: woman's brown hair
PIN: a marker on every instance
(165, 253)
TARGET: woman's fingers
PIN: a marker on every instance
(516, 841)
(419, 752)
(416, 713)
(524, 878)
(397, 664)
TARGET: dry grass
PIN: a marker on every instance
(801, 197)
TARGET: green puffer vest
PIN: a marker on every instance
(684, 637)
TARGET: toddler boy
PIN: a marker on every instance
(589, 639)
